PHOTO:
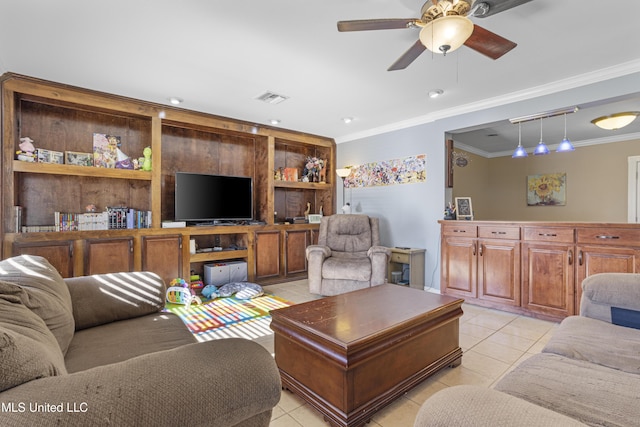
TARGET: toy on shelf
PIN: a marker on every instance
(146, 163)
(180, 293)
(27, 152)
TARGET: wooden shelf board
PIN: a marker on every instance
(302, 185)
(57, 169)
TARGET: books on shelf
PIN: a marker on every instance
(112, 218)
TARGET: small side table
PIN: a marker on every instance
(414, 259)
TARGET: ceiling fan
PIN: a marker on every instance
(445, 26)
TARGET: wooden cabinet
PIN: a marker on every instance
(163, 256)
(296, 242)
(605, 250)
(533, 268)
(481, 263)
(58, 253)
(459, 261)
(109, 255)
(267, 249)
(64, 118)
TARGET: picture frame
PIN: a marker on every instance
(314, 218)
(464, 209)
(50, 156)
(78, 159)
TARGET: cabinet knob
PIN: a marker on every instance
(604, 236)
(570, 257)
(580, 258)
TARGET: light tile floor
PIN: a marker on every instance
(493, 342)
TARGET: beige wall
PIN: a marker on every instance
(596, 185)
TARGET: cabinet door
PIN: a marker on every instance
(163, 256)
(499, 271)
(548, 279)
(58, 253)
(108, 255)
(267, 254)
(459, 266)
(296, 243)
(601, 259)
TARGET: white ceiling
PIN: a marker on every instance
(220, 55)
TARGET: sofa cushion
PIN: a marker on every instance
(590, 393)
(118, 341)
(347, 268)
(103, 298)
(595, 341)
(47, 293)
(28, 349)
(604, 294)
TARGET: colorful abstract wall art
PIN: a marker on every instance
(409, 170)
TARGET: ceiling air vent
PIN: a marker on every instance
(272, 98)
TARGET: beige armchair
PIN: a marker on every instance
(348, 255)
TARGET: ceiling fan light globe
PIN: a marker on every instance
(451, 31)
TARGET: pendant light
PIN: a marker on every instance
(565, 145)
(520, 151)
(541, 148)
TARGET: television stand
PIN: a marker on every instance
(214, 223)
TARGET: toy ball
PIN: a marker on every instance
(210, 291)
(179, 282)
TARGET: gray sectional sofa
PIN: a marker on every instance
(587, 374)
(98, 350)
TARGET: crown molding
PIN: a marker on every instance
(574, 82)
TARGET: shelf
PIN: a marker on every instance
(302, 185)
(218, 255)
(57, 169)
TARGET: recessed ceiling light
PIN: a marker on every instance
(274, 122)
(176, 101)
(347, 119)
(435, 93)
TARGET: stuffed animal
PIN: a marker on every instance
(210, 291)
(27, 152)
(243, 290)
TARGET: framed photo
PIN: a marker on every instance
(463, 208)
(78, 159)
(50, 156)
(314, 218)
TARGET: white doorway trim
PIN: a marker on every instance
(633, 189)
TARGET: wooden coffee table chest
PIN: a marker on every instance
(350, 355)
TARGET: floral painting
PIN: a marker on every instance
(388, 172)
(546, 189)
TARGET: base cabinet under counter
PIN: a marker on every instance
(532, 268)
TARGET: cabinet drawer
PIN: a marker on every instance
(549, 234)
(609, 236)
(399, 258)
(460, 230)
(511, 233)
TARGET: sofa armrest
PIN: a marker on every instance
(606, 296)
(379, 256)
(316, 254)
(462, 406)
(219, 383)
(106, 298)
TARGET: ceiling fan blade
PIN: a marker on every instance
(497, 6)
(374, 24)
(408, 57)
(488, 43)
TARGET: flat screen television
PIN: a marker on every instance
(202, 198)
